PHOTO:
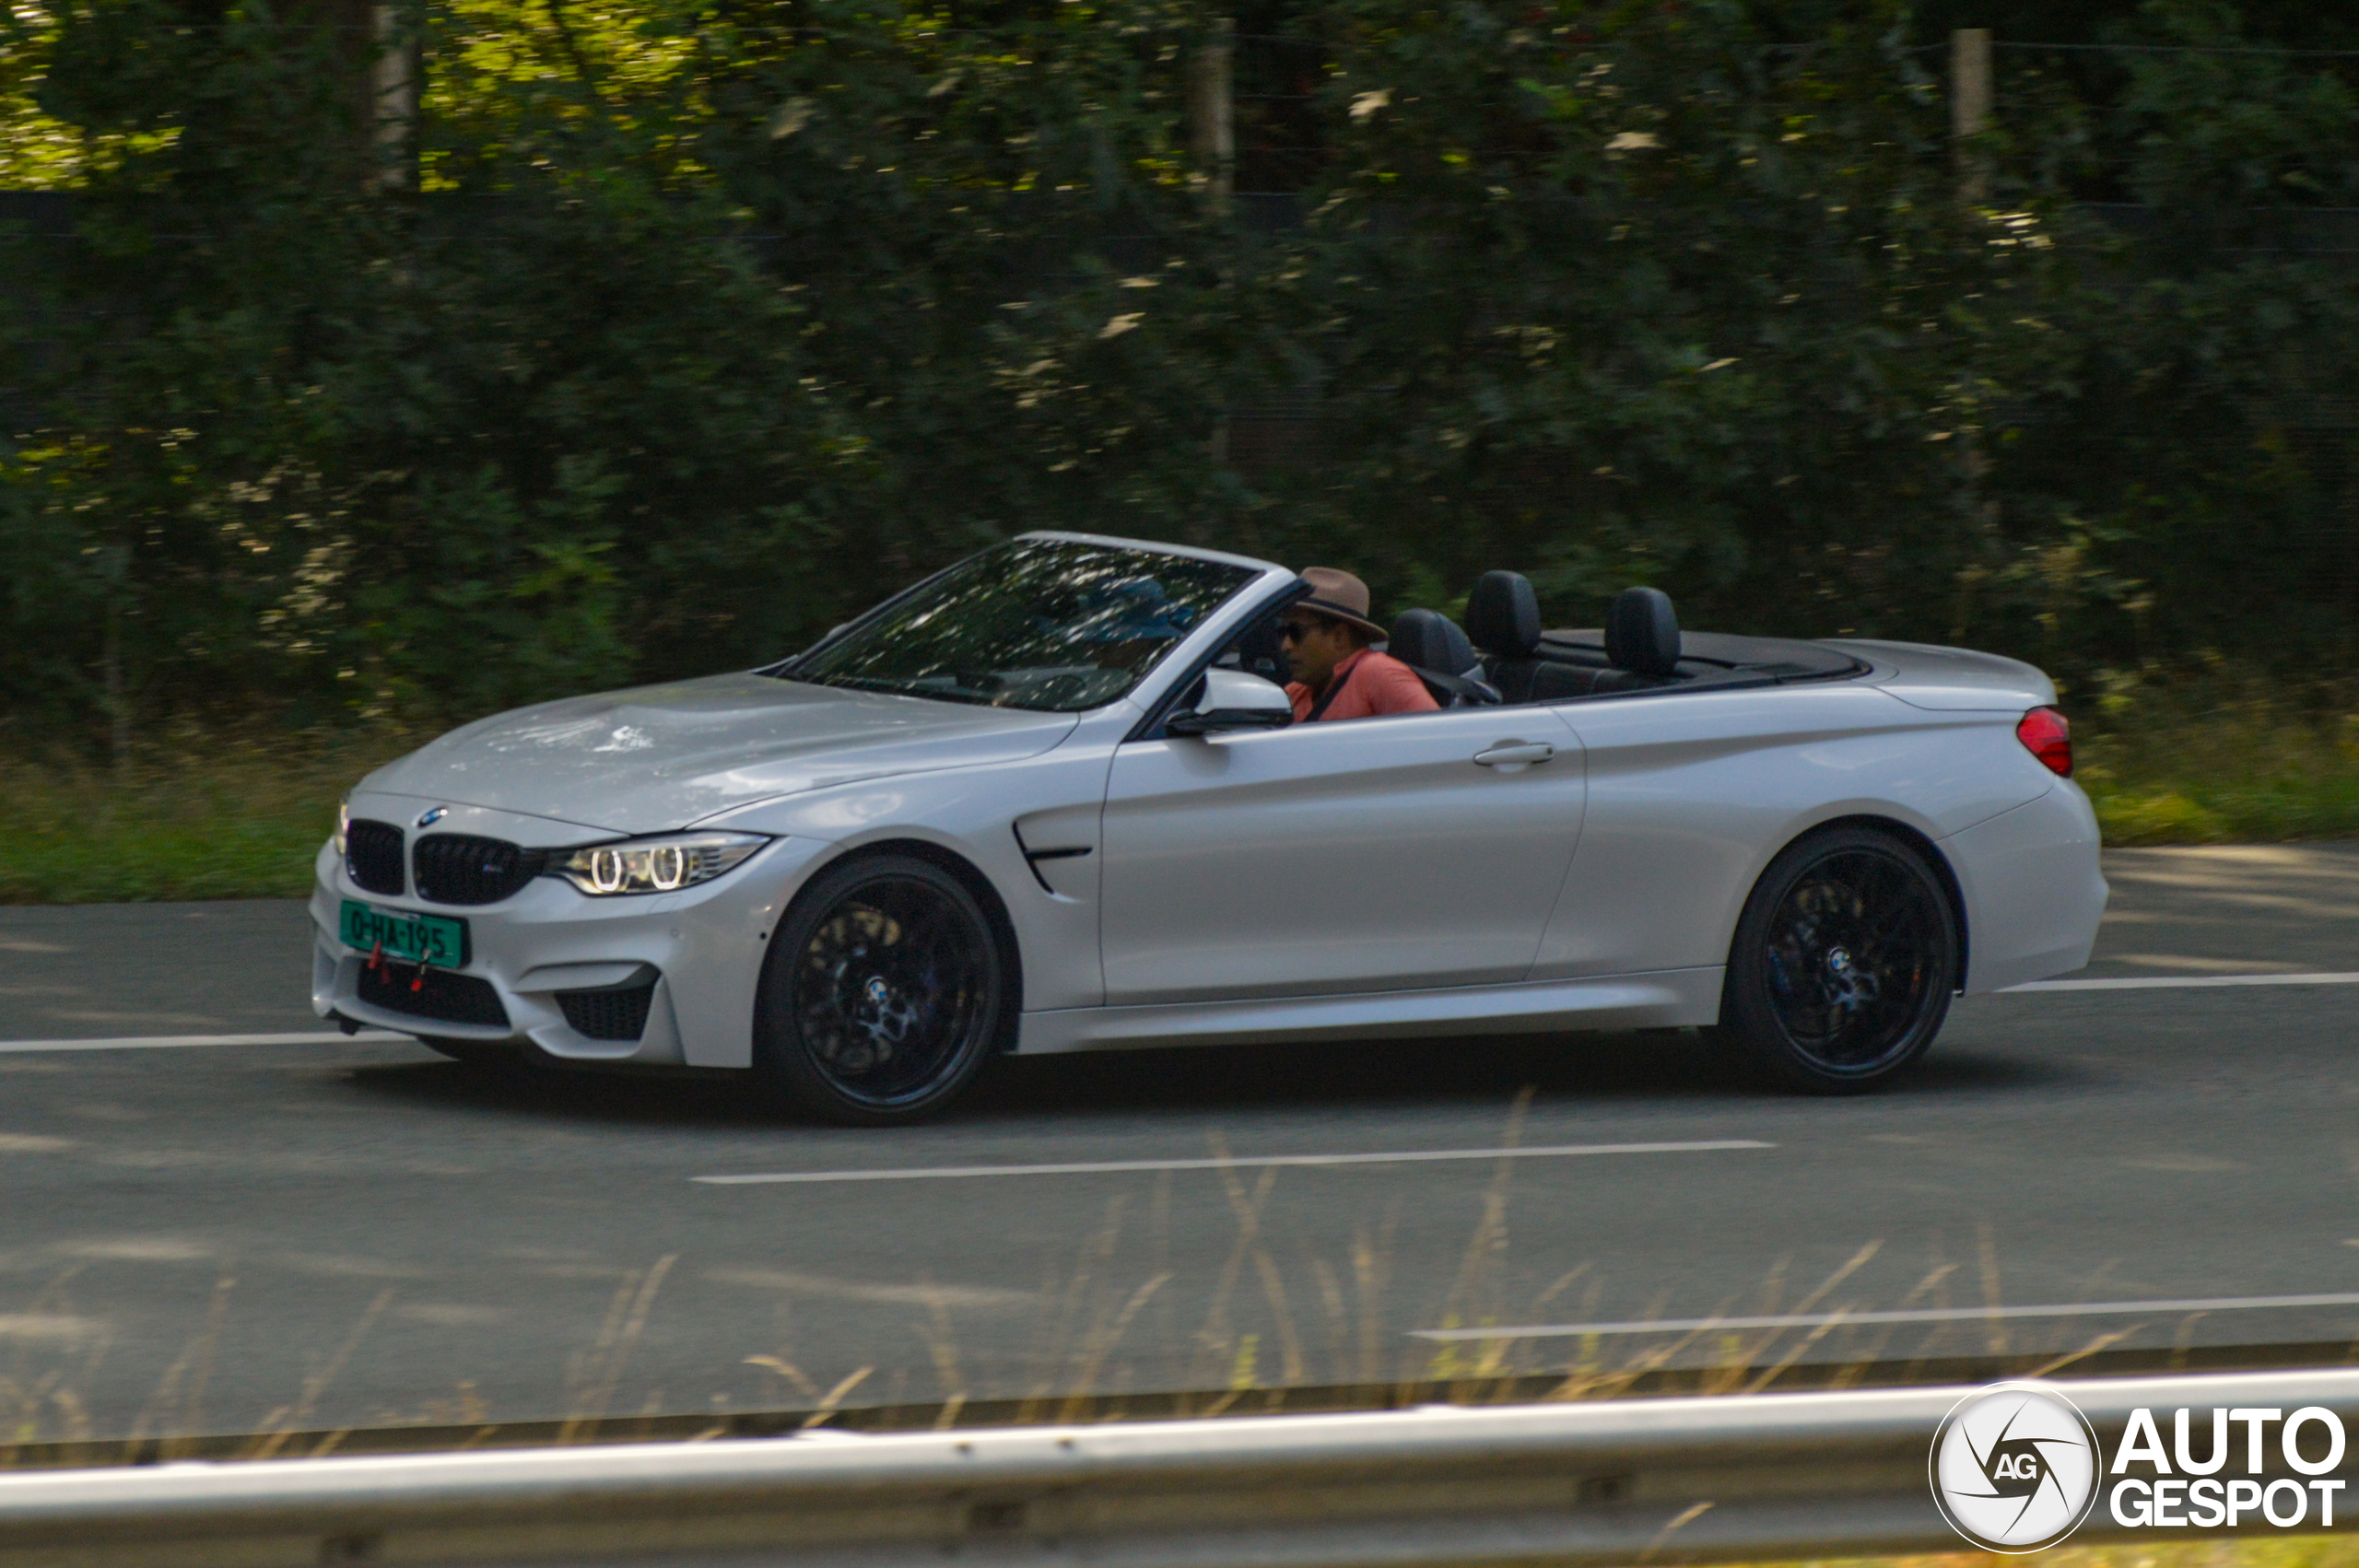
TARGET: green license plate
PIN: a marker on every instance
(413, 939)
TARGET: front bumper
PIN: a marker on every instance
(704, 945)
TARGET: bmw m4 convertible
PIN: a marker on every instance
(1053, 799)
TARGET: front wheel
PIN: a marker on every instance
(1843, 964)
(883, 991)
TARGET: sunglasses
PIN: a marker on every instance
(1290, 631)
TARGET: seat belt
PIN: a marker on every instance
(1466, 691)
(1334, 689)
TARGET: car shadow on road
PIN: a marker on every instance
(1673, 1068)
(1666, 1067)
(719, 1101)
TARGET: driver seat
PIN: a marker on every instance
(1431, 645)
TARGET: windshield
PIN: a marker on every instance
(1048, 624)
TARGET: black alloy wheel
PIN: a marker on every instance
(883, 992)
(1844, 962)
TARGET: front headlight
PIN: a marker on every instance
(655, 865)
(343, 822)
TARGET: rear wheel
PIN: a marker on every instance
(882, 993)
(1843, 964)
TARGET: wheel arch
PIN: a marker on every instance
(972, 877)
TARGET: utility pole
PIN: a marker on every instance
(1970, 108)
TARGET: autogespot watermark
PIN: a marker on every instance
(2017, 1468)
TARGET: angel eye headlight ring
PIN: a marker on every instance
(665, 863)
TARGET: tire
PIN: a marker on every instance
(495, 1055)
(883, 992)
(1843, 966)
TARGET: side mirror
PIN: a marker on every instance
(1232, 700)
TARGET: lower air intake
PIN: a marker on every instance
(437, 994)
(608, 1013)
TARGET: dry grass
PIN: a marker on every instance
(200, 817)
(2225, 756)
(2271, 1551)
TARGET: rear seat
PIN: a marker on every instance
(1642, 643)
(1503, 619)
(1556, 681)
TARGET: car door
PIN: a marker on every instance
(1375, 854)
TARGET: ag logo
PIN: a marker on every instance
(2014, 1467)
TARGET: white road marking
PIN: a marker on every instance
(1099, 1167)
(2178, 982)
(46, 1325)
(160, 1042)
(1915, 1314)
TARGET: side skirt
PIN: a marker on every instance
(1663, 999)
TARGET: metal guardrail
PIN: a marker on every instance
(1677, 1480)
(30, 1451)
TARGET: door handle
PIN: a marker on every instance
(1513, 756)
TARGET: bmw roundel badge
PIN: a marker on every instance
(431, 815)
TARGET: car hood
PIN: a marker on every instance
(655, 758)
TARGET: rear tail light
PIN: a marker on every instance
(2047, 736)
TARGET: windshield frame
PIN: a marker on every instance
(1153, 686)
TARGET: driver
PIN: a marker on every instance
(1336, 673)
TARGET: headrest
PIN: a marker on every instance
(1427, 639)
(1642, 632)
(1503, 614)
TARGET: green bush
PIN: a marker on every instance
(700, 327)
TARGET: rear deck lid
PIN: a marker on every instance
(1951, 680)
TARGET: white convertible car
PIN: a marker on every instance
(1051, 799)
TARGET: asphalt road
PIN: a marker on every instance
(242, 1237)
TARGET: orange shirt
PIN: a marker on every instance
(1372, 683)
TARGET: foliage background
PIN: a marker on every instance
(703, 321)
